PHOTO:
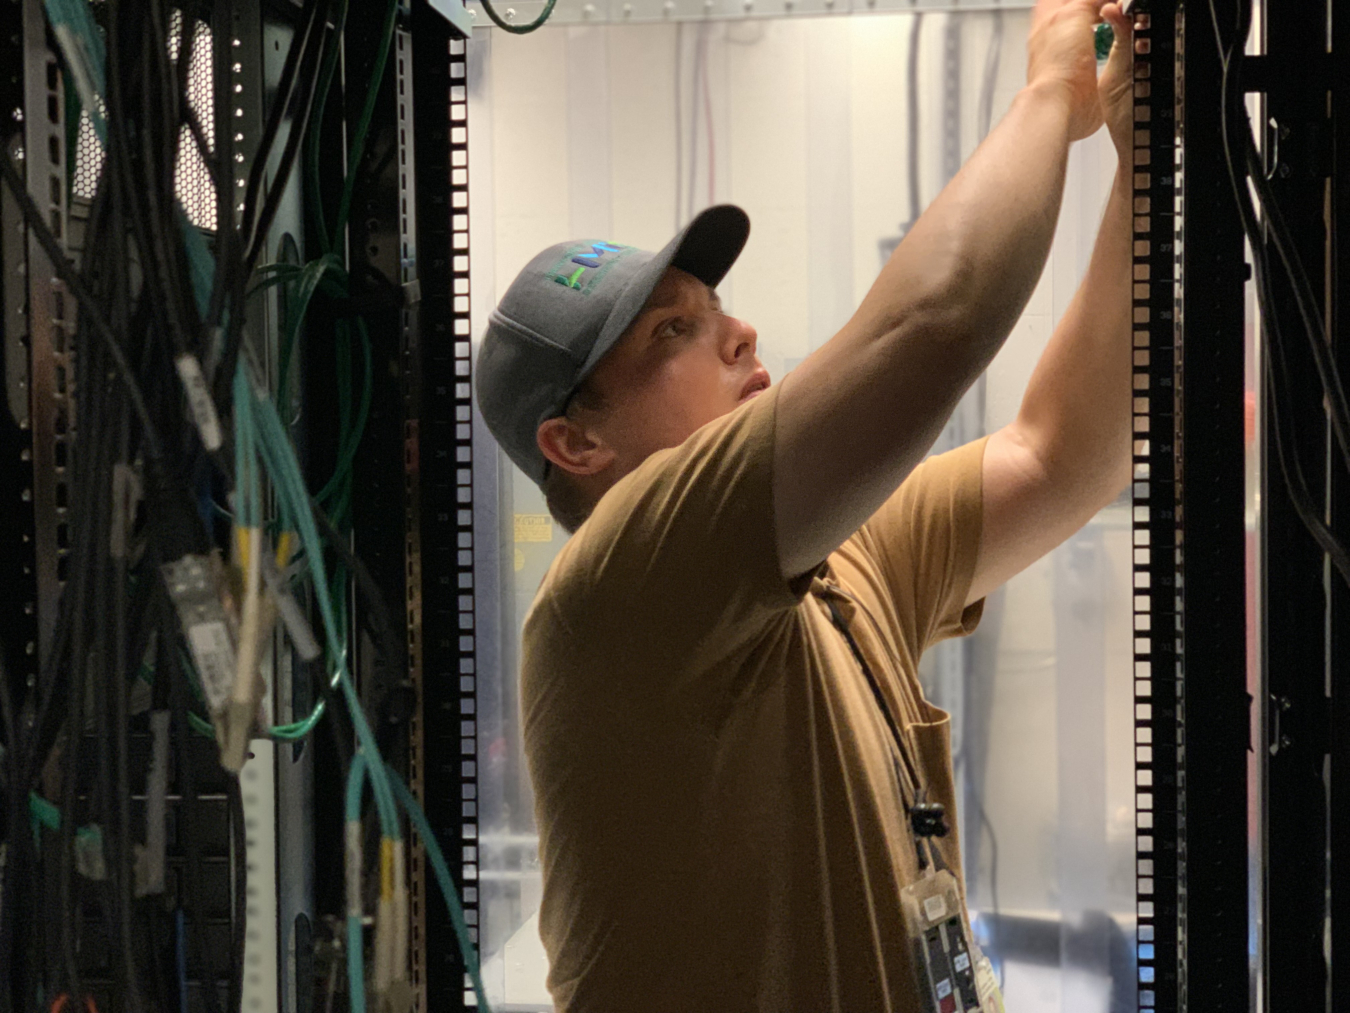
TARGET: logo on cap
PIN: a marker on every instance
(571, 271)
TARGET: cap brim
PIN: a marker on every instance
(706, 248)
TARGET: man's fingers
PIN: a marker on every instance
(1123, 32)
(1115, 17)
(1046, 9)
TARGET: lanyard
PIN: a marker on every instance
(926, 818)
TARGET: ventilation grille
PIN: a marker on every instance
(192, 180)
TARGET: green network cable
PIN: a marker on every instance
(409, 803)
(284, 471)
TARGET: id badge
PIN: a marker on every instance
(953, 975)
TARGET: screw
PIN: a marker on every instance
(628, 10)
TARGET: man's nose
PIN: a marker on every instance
(738, 339)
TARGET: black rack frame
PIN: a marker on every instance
(1190, 604)
(1304, 641)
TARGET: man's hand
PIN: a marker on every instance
(1116, 85)
(1061, 55)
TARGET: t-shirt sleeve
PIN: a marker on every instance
(681, 554)
(925, 541)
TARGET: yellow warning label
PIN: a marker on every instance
(534, 528)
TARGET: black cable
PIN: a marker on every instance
(1231, 57)
(226, 235)
(88, 308)
(135, 192)
(159, 136)
(306, 50)
(280, 105)
(394, 697)
(1314, 325)
(310, 69)
(1302, 499)
(124, 879)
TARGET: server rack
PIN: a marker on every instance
(415, 503)
(1192, 708)
(221, 833)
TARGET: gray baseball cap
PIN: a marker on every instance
(567, 308)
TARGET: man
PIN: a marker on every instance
(725, 730)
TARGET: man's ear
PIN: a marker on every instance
(570, 446)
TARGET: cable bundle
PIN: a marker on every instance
(166, 604)
(1244, 166)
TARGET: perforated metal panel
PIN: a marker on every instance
(192, 181)
(89, 160)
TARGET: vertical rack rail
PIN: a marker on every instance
(1160, 829)
(440, 454)
(1192, 713)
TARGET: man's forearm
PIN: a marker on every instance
(982, 244)
(861, 412)
(1076, 411)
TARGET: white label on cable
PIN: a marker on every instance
(199, 401)
(214, 654)
(961, 961)
(944, 988)
(935, 907)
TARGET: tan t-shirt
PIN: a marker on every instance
(719, 816)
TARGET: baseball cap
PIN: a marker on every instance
(567, 308)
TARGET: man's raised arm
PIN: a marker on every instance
(861, 412)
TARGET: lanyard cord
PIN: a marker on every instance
(918, 789)
(924, 850)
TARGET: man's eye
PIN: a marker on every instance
(675, 327)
